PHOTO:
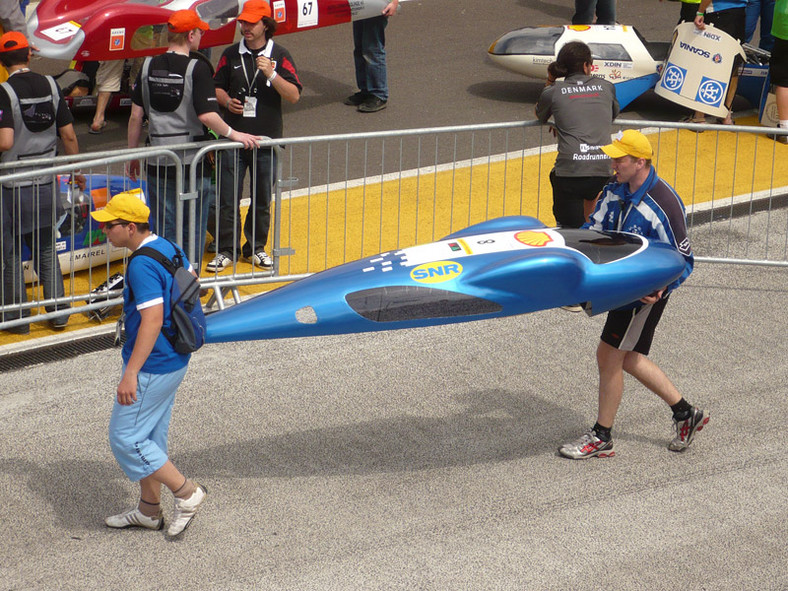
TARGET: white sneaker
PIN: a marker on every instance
(185, 510)
(261, 259)
(135, 518)
(219, 263)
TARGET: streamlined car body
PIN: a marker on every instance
(502, 267)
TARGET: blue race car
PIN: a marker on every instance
(502, 267)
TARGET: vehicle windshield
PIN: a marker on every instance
(605, 248)
(529, 41)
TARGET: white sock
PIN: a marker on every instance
(783, 123)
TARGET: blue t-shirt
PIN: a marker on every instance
(148, 284)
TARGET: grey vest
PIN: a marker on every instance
(176, 127)
(27, 143)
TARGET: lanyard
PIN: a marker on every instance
(621, 215)
(269, 47)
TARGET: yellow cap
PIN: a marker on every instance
(126, 206)
(629, 143)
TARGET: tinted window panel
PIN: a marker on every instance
(530, 41)
(413, 302)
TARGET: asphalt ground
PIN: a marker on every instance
(425, 459)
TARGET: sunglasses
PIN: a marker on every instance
(110, 225)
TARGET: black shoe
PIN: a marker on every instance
(58, 323)
(21, 329)
(783, 139)
(354, 100)
(372, 105)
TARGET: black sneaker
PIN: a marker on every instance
(354, 100)
(21, 329)
(372, 105)
(59, 322)
(686, 429)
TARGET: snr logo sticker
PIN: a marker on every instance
(436, 272)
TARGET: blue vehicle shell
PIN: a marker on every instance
(502, 267)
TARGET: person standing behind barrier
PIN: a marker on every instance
(252, 77)
(176, 92)
(151, 373)
(728, 16)
(762, 10)
(583, 108)
(11, 19)
(32, 115)
(369, 58)
(605, 11)
(641, 203)
(778, 65)
(108, 79)
(689, 9)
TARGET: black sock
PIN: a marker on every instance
(602, 432)
(681, 410)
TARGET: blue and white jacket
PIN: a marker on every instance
(655, 211)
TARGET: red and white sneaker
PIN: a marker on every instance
(588, 446)
(686, 429)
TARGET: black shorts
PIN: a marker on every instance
(778, 63)
(633, 330)
(569, 192)
(732, 21)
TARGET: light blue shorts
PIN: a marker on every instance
(138, 432)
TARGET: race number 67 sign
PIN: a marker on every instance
(307, 13)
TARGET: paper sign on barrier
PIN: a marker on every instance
(698, 69)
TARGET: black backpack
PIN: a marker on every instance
(187, 328)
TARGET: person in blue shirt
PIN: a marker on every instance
(152, 371)
(639, 202)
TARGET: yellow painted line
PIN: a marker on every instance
(327, 226)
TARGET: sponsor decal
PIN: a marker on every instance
(117, 39)
(619, 65)
(280, 13)
(717, 58)
(673, 78)
(615, 74)
(436, 272)
(543, 60)
(692, 49)
(709, 35)
(455, 247)
(578, 27)
(711, 92)
(531, 238)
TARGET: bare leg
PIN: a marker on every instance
(612, 365)
(169, 476)
(102, 100)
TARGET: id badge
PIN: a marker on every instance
(250, 106)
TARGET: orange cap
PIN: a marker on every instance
(183, 21)
(254, 10)
(12, 41)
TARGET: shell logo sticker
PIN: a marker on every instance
(578, 27)
(530, 238)
(436, 272)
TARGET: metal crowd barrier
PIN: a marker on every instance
(341, 197)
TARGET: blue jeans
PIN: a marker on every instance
(261, 164)
(162, 200)
(369, 56)
(763, 9)
(41, 243)
(605, 11)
